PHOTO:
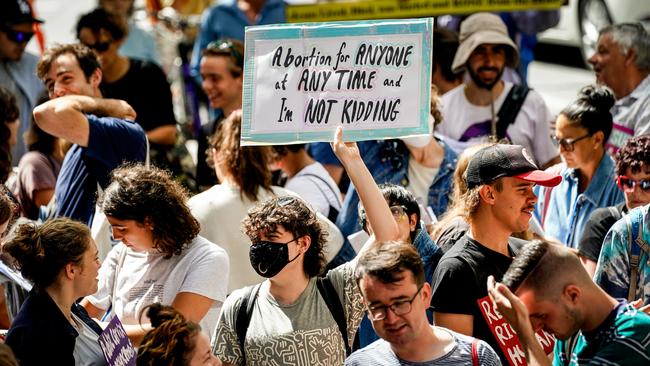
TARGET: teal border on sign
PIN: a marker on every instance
(335, 29)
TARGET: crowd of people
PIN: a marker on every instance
(505, 235)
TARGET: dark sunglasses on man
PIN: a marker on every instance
(17, 36)
(627, 184)
(99, 46)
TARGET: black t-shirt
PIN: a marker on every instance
(596, 228)
(460, 280)
(146, 89)
(454, 230)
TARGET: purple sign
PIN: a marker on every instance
(116, 346)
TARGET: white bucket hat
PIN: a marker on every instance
(483, 28)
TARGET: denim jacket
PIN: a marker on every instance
(568, 210)
(430, 254)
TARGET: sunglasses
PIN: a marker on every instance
(627, 184)
(17, 36)
(99, 46)
(567, 144)
(226, 46)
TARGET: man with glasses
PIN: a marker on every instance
(622, 63)
(633, 170)
(499, 201)
(17, 67)
(396, 296)
(623, 266)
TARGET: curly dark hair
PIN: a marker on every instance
(247, 165)
(172, 340)
(395, 195)
(139, 193)
(635, 155)
(87, 59)
(9, 113)
(294, 216)
(41, 252)
(9, 210)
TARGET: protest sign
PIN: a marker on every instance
(507, 337)
(116, 346)
(302, 81)
(391, 9)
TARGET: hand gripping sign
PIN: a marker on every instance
(506, 336)
(301, 81)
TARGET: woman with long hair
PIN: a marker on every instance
(9, 124)
(588, 172)
(160, 257)
(60, 259)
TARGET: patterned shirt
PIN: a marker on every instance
(631, 116)
(301, 333)
(622, 339)
(613, 269)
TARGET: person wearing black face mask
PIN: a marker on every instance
(295, 309)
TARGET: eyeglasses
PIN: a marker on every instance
(226, 45)
(627, 184)
(567, 144)
(17, 36)
(397, 211)
(99, 46)
(398, 308)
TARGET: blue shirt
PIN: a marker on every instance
(613, 270)
(111, 142)
(568, 210)
(226, 20)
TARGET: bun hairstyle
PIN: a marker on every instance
(41, 252)
(172, 339)
(591, 110)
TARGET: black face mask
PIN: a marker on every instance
(269, 258)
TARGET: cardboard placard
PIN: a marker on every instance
(507, 337)
(302, 81)
(118, 349)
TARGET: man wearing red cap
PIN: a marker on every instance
(17, 67)
(499, 201)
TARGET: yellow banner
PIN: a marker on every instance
(392, 9)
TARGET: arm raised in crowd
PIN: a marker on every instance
(384, 227)
(64, 117)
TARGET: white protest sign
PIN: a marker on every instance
(302, 81)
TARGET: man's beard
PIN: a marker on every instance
(479, 82)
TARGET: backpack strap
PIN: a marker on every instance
(333, 211)
(243, 316)
(475, 352)
(328, 293)
(636, 243)
(616, 214)
(510, 108)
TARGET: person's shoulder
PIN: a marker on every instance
(372, 354)
(632, 322)
(452, 94)
(32, 157)
(205, 247)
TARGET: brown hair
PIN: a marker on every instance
(138, 193)
(41, 252)
(172, 340)
(9, 113)
(231, 49)
(86, 58)
(248, 165)
(387, 261)
(294, 216)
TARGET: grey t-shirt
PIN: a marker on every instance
(379, 353)
(301, 333)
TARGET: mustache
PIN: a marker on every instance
(494, 69)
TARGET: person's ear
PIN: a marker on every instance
(304, 242)
(413, 222)
(148, 223)
(630, 58)
(598, 138)
(572, 293)
(486, 192)
(96, 78)
(427, 292)
(70, 270)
